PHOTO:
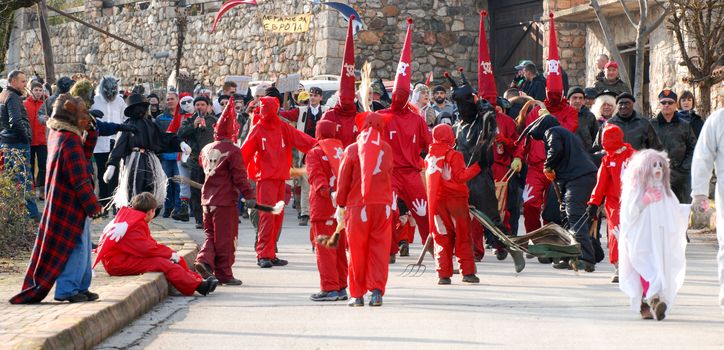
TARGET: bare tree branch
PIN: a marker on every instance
(651, 27)
(628, 13)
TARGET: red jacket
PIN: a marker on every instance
(322, 183)
(33, 106)
(455, 186)
(347, 131)
(534, 150)
(349, 184)
(225, 175)
(408, 135)
(608, 185)
(504, 144)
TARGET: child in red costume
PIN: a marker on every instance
(365, 189)
(267, 153)
(449, 216)
(408, 135)
(322, 168)
(608, 186)
(127, 248)
(534, 152)
(225, 181)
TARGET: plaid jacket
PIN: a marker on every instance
(70, 199)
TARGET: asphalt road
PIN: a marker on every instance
(540, 308)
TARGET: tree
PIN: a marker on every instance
(643, 30)
(701, 23)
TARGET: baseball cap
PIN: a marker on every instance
(522, 64)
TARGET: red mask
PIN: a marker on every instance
(612, 138)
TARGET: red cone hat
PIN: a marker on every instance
(401, 89)
(486, 80)
(554, 81)
(227, 127)
(347, 79)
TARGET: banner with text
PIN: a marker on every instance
(286, 24)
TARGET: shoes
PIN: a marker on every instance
(279, 262)
(614, 279)
(207, 286)
(478, 258)
(659, 308)
(264, 263)
(583, 265)
(182, 213)
(166, 213)
(342, 294)
(501, 253)
(471, 279)
(562, 265)
(90, 295)
(304, 220)
(75, 298)
(645, 311)
(354, 302)
(325, 296)
(244, 214)
(232, 282)
(393, 258)
(376, 298)
(545, 260)
(199, 225)
(443, 280)
(204, 270)
(404, 248)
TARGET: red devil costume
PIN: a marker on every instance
(447, 193)
(365, 189)
(267, 153)
(127, 248)
(534, 151)
(408, 135)
(343, 113)
(70, 200)
(323, 163)
(225, 181)
(608, 185)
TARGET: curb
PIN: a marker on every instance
(119, 305)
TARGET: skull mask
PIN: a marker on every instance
(211, 161)
(658, 171)
(187, 104)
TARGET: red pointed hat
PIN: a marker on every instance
(401, 89)
(347, 78)
(486, 80)
(554, 80)
(227, 127)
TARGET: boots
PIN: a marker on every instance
(404, 248)
(183, 213)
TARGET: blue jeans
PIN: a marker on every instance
(25, 175)
(173, 200)
(76, 275)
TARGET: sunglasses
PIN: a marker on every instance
(667, 102)
(186, 102)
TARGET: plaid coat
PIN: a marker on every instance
(70, 199)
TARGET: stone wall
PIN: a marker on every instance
(445, 37)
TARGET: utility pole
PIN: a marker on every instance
(45, 41)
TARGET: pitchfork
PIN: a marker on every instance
(418, 269)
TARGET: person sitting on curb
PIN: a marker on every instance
(127, 248)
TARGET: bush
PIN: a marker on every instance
(17, 230)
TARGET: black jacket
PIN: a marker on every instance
(564, 151)
(695, 120)
(148, 136)
(535, 88)
(14, 123)
(197, 138)
(587, 128)
(678, 140)
(636, 130)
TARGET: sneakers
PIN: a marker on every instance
(659, 308)
(264, 263)
(562, 265)
(75, 298)
(207, 286)
(614, 278)
(501, 253)
(356, 302)
(90, 295)
(325, 296)
(393, 258)
(376, 298)
(342, 294)
(304, 220)
(404, 248)
(204, 270)
(471, 279)
(279, 262)
(645, 311)
(232, 282)
(443, 281)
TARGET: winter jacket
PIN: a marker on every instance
(37, 117)
(678, 140)
(225, 175)
(637, 131)
(533, 151)
(148, 137)
(163, 121)
(564, 151)
(695, 120)
(535, 88)
(14, 123)
(617, 87)
(197, 137)
(587, 128)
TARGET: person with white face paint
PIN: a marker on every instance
(652, 239)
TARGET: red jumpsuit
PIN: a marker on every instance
(368, 224)
(447, 176)
(267, 153)
(331, 262)
(137, 252)
(608, 185)
(535, 155)
(503, 152)
(408, 135)
(225, 181)
(344, 117)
